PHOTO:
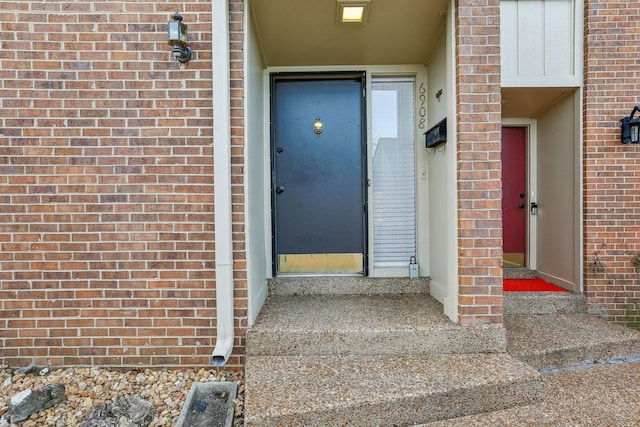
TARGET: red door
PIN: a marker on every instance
(514, 195)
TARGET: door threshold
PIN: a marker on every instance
(289, 275)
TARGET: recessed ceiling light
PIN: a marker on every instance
(353, 11)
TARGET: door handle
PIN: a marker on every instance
(521, 205)
(280, 189)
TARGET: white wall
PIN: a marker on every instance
(541, 43)
(438, 172)
(257, 202)
(558, 191)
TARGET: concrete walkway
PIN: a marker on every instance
(372, 357)
(598, 395)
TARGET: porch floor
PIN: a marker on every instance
(326, 325)
(368, 358)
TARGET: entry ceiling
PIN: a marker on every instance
(299, 33)
(531, 102)
(305, 32)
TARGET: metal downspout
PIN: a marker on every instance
(222, 181)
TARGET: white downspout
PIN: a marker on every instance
(222, 181)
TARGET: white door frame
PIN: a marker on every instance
(532, 193)
(416, 71)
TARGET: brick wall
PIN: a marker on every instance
(611, 170)
(478, 159)
(106, 186)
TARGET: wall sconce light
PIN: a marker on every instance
(178, 38)
(630, 127)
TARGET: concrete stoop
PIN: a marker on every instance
(357, 351)
(554, 341)
(518, 273)
(361, 351)
(347, 285)
(383, 390)
(543, 303)
(335, 325)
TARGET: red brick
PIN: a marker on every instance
(478, 147)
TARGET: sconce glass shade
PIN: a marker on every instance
(177, 33)
(634, 127)
(630, 128)
(177, 30)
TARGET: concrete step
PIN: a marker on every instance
(552, 341)
(361, 351)
(335, 325)
(602, 395)
(518, 273)
(383, 390)
(543, 303)
(347, 285)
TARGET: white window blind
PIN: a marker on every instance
(394, 206)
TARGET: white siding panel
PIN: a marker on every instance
(509, 43)
(530, 38)
(538, 43)
(559, 38)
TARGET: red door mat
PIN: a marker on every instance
(530, 285)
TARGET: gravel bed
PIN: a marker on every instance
(86, 387)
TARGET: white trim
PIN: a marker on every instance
(578, 27)
(257, 288)
(391, 70)
(540, 81)
(532, 190)
(266, 157)
(450, 303)
(222, 181)
(438, 290)
(579, 247)
(579, 61)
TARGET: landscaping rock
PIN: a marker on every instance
(28, 402)
(87, 387)
(123, 411)
(29, 368)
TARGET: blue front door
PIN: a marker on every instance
(318, 174)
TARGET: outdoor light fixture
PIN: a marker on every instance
(178, 38)
(353, 11)
(630, 127)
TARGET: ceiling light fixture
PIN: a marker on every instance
(353, 11)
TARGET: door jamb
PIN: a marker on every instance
(532, 194)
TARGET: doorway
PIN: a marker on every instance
(318, 170)
(515, 203)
